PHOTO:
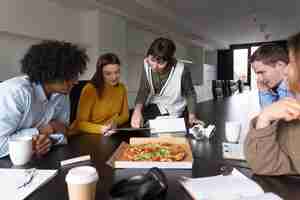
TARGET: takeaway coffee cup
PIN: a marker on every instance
(20, 149)
(232, 131)
(82, 183)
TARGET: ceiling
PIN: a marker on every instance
(217, 23)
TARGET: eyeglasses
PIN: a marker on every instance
(29, 175)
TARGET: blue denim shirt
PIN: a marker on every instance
(24, 107)
(268, 97)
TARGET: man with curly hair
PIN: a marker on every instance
(37, 104)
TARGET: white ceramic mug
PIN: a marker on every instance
(232, 131)
(20, 149)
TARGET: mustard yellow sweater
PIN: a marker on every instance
(94, 112)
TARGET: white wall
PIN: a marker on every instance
(113, 38)
(204, 91)
(39, 19)
(89, 32)
(13, 48)
(23, 23)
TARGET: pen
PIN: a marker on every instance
(30, 174)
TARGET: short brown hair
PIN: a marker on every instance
(269, 54)
(294, 70)
(163, 49)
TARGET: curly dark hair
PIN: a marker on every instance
(54, 61)
(103, 60)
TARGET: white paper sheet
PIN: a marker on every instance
(10, 179)
(232, 187)
(265, 196)
(167, 125)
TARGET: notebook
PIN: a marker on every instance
(235, 186)
(11, 179)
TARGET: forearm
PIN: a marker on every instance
(263, 152)
(143, 91)
(89, 127)
(138, 107)
(59, 127)
(191, 104)
(188, 91)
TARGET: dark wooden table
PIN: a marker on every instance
(207, 159)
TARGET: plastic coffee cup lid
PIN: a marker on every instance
(82, 175)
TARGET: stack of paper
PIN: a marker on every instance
(11, 182)
(265, 196)
(235, 186)
(167, 124)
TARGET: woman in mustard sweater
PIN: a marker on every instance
(103, 103)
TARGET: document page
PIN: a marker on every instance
(231, 187)
(12, 182)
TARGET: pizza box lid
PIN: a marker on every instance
(116, 162)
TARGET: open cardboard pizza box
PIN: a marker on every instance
(117, 162)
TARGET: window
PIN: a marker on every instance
(240, 64)
(253, 49)
(253, 75)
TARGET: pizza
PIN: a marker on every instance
(163, 152)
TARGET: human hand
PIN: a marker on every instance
(107, 130)
(193, 120)
(46, 129)
(137, 119)
(286, 109)
(58, 126)
(41, 144)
